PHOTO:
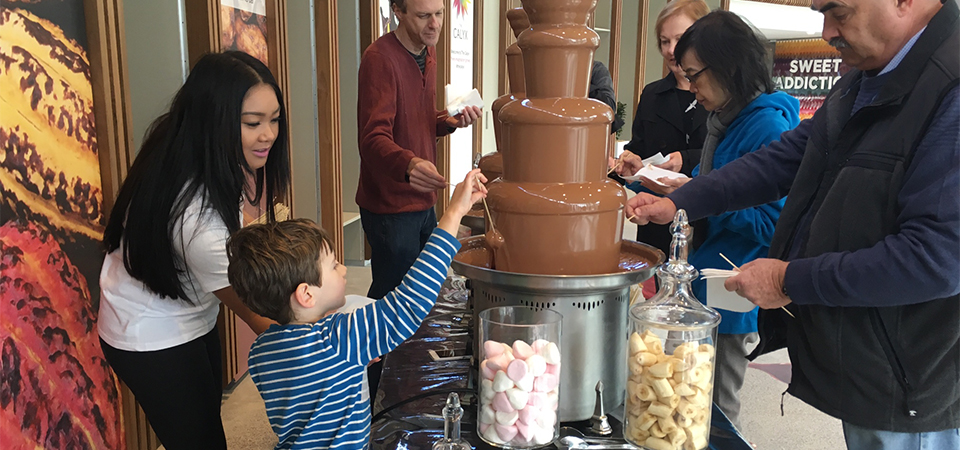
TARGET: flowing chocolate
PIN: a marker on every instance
(557, 212)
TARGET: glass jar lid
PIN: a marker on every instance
(674, 307)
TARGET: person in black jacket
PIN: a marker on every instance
(866, 252)
(669, 120)
(601, 88)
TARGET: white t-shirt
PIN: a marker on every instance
(134, 318)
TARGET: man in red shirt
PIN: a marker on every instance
(398, 130)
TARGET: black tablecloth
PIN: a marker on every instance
(414, 386)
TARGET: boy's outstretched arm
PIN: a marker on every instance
(465, 195)
(375, 329)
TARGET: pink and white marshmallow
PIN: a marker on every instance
(518, 392)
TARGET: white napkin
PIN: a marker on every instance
(716, 273)
(456, 101)
(654, 173)
(656, 160)
(720, 298)
(351, 304)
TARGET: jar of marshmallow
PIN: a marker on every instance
(519, 376)
(670, 358)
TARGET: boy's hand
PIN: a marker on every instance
(465, 195)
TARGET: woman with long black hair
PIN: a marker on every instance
(221, 149)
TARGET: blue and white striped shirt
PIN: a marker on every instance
(310, 376)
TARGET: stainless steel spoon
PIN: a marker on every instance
(573, 442)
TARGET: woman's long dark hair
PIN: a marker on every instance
(194, 149)
(732, 50)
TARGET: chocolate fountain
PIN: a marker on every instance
(492, 164)
(559, 216)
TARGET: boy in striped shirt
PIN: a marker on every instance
(309, 368)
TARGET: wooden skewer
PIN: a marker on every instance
(730, 262)
(487, 208)
(738, 270)
(614, 167)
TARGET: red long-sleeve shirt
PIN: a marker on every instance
(397, 120)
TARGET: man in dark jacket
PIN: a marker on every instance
(866, 253)
(601, 88)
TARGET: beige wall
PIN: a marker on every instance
(156, 59)
(348, 27)
(628, 63)
(491, 69)
(304, 151)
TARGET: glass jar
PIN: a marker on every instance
(670, 358)
(520, 376)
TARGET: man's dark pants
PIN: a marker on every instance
(395, 243)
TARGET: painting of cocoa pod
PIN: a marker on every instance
(244, 31)
(56, 390)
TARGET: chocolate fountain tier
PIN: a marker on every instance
(519, 23)
(594, 309)
(515, 69)
(518, 20)
(555, 140)
(558, 228)
(558, 11)
(491, 166)
(495, 108)
(557, 61)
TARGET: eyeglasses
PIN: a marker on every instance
(693, 78)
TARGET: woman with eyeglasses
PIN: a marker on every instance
(723, 59)
(669, 119)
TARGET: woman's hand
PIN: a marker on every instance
(674, 164)
(231, 300)
(629, 163)
(671, 184)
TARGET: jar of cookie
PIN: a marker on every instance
(670, 358)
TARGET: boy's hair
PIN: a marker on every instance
(268, 261)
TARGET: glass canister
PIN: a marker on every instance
(520, 376)
(670, 358)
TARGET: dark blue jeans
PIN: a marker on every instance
(395, 243)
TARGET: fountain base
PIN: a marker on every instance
(594, 309)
